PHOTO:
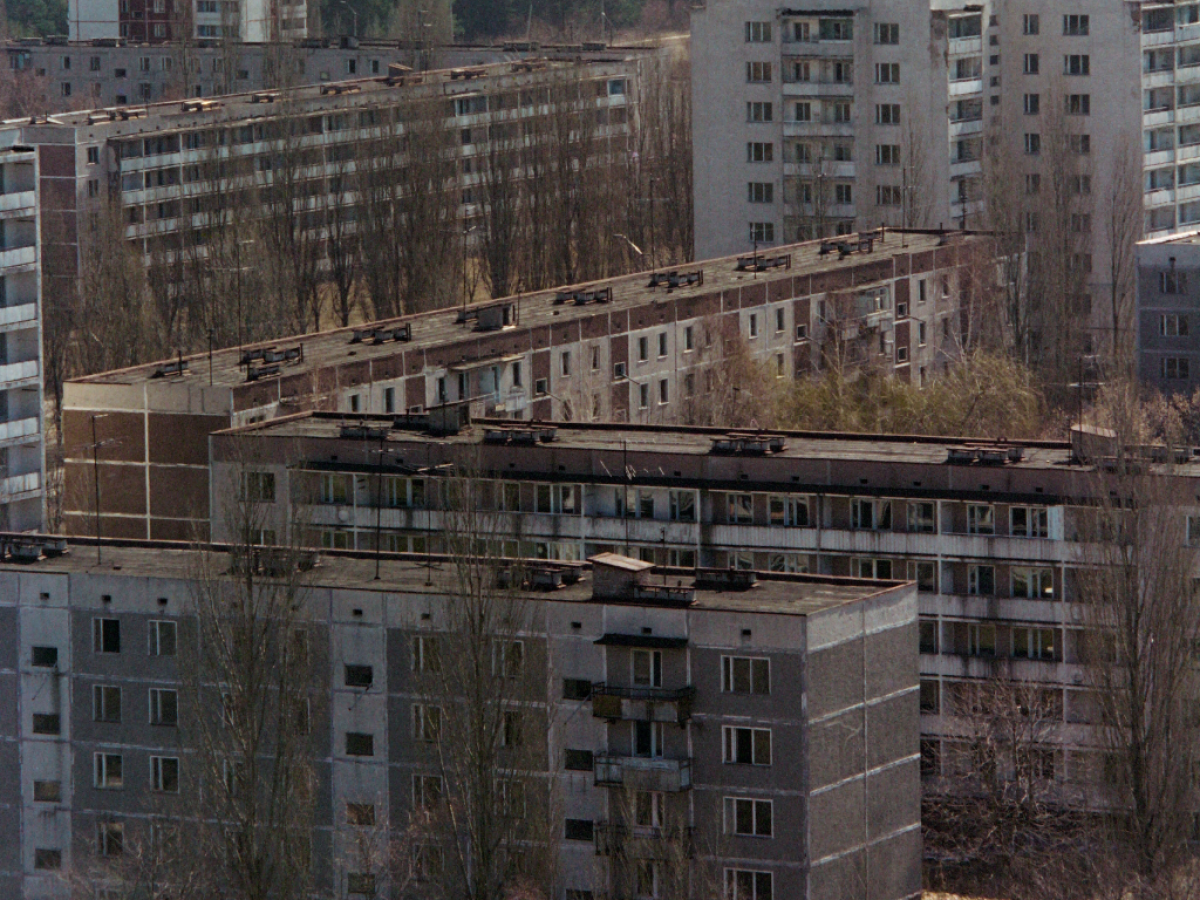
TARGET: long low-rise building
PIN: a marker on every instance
(640, 348)
(754, 734)
(993, 533)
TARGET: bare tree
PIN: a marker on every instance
(1123, 223)
(1144, 625)
(485, 710)
(250, 685)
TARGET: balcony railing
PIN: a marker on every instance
(646, 704)
(20, 484)
(18, 428)
(641, 842)
(18, 371)
(643, 773)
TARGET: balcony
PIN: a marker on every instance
(643, 704)
(23, 201)
(16, 487)
(21, 371)
(642, 842)
(644, 773)
(18, 256)
(19, 428)
(16, 315)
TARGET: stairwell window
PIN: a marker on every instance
(746, 746)
(745, 675)
(747, 817)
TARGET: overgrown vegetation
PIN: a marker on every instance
(33, 18)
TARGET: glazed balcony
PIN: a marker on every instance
(643, 704)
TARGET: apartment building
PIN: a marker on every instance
(759, 731)
(157, 21)
(103, 73)
(993, 533)
(1168, 313)
(167, 170)
(638, 348)
(22, 438)
(837, 119)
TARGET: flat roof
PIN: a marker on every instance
(443, 326)
(775, 593)
(682, 439)
(166, 116)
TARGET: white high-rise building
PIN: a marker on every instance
(1085, 119)
(156, 21)
(22, 456)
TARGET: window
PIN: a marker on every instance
(512, 733)
(1030, 24)
(648, 739)
(887, 33)
(1033, 583)
(843, 194)
(871, 568)
(1033, 143)
(688, 339)
(1031, 64)
(1172, 282)
(643, 349)
(747, 817)
(162, 638)
(760, 111)
(107, 771)
(747, 746)
(745, 675)
(335, 488)
(1029, 521)
(981, 639)
(921, 517)
(981, 519)
(643, 396)
(758, 72)
(164, 707)
(106, 703)
(578, 830)
(46, 723)
(887, 73)
(1172, 325)
(1175, 367)
(1081, 144)
(1075, 25)
(360, 744)
(758, 32)
(577, 689)
(164, 774)
(887, 114)
(647, 668)
(578, 760)
(757, 152)
(788, 512)
(870, 515)
(762, 232)
(662, 344)
(928, 636)
(427, 791)
(682, 506)
(360, 883)
(887, 154)
(746, 884)
(1076, 64)
(1034, 643)
(45, 657)
(930, 696)
(760, 192)
(47, 860)
(541, 387)
(359, 676)
(106, 636)
(1033, 104)
(741, 509)
(921, 338)
(110, 839)
(427, 722)
(508, 658)
(1078, 104)
(981, 581)
(47, 791)
(425, 655)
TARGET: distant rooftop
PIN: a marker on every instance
(554, 307)
(773, 593)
